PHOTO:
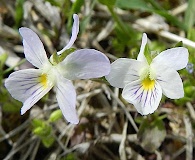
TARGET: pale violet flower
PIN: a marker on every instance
(30, 85)
(145, 79)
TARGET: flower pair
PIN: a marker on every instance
(144, 80)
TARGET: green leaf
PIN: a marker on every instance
(3, 58)
(11, 106)
(151, 133)
(133, 4)
(179, 44)
(65, 53)
(109, 3)
(37, 123)
(55, 58)
(41, 128)
(147, 54)
(56, 115)
(54, 2)
(191, 34)
(142, 5)
(76, 7)
(189, 18)
(48, 141)
(19, 12)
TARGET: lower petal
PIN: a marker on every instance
(25, 86)
(66, 97)
(146, 101)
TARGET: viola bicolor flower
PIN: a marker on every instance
(30, 85)
(145, 79)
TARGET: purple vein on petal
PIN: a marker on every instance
(34, 95)
(146, 98)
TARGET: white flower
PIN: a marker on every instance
(145, 79)
(30, 85)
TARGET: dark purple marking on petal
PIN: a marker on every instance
(146, 98)
(34, 95)
(36, 90)
(26, 84)
(140, 96)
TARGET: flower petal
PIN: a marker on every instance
(124, 71)
(33, 48)
(169, 80)
(141, 56)
(66, 97)
(176, 58)
(145, 101)
(85, 64)
(75, 31)
(25, 86)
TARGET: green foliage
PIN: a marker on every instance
(133, 4)
(147, 54)
(3, 58)
(59, 58)
(62, 56)
(55, 2)
(75, 8)
(56, 115)
(43, 130)
(189, 18)
(179, 44)
(189, 91)
(70, 156)
(109, 3)
(19, 12)
(142, 5)
(8, 104)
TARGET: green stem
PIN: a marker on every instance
(155, 5)
(11, 68)
(116, 18)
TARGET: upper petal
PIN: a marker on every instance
(124, 71)
(33, 48)
(141, 56)
(85, 64)
(25, 86)
(75, 31)
(66, 97)
(176, 58)
(146, 101)
(169, 80)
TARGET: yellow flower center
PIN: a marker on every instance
(148, 84)
(43, 80)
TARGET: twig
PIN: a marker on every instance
(19, 148)
(176, 38)
(161, 29)
(178, 152)
(130, 118)
(122, 147)
(15, 131)
(34, 153)
(191, 110)
(189, 138)
(179, 9)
